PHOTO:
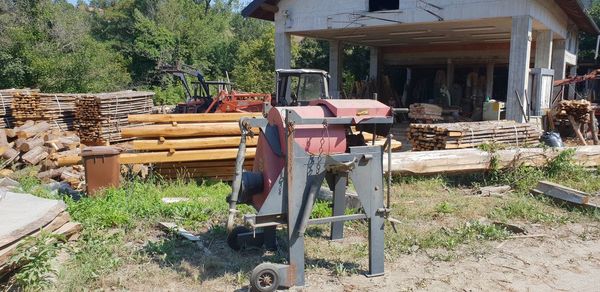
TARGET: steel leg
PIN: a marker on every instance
(339, 206)
(376, 246)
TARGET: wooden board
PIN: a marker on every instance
(562, 193)
(21, 214)
(184, 130)
(191, 118)
(475, 160)
(192, 143)
(181, 156)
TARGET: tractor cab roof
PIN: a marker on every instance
(301, 71)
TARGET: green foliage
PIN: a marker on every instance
(170, 94)
(48, 45)
(321, 209)
(445, 208)
(34, 255)
(256, 61)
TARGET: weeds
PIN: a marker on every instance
(34, 255)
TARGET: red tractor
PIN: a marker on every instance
(200, 100)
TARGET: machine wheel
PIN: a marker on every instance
(232, 237)
(265, 278)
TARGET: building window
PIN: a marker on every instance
(378, 5)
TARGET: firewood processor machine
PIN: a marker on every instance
(299, 148)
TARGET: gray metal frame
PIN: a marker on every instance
(291, 200)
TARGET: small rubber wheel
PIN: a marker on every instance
(232, 237)
(265, 278)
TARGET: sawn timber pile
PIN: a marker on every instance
(56, 108)
(425, 137)
(425, 112)
(188, 145)
(101, 117)
(6, 113)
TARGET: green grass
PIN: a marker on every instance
(437, 215)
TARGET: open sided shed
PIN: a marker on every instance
(505, 38)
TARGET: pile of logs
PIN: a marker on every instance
(188, 145)
(424, 137)
(580, 110)
(25, 216)
(102, 117)
(6, 97)
(425, 112)
(56, 108)
(580, 114)
(37, 144)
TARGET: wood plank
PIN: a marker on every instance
(182, 156)
(562, 193)
(191, 118)
(192, 143)
(183, 130)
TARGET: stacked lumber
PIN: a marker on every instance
(24, 216)
(6, 97)
(188, 145)
(56, 108)
(581, 110)
(425, 137)
(37, 144)
(101, 117)
(425, 112)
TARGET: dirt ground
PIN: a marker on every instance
(566, 258)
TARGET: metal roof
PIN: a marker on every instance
(575, 10)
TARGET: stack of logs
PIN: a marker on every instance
(580, 114)
(102, 117)
(424, 137)
(37, 144)
(188, 145)
(56, 108)
(6, 97)
(425, 112)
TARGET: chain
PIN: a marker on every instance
(322, 145)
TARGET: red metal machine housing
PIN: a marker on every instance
(299, 148)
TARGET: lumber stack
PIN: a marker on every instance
(56, 108)
(102, 117)
(425, 137)
(425, 112)
(24, 216)
(188, 145)
(6, 97)
(37, 144)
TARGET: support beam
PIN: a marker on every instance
(558, 63)
(336, 54)
(283, 43)
(543, 49)
(518, 70)
(572, 72)
(489, 79)
(374, 63)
